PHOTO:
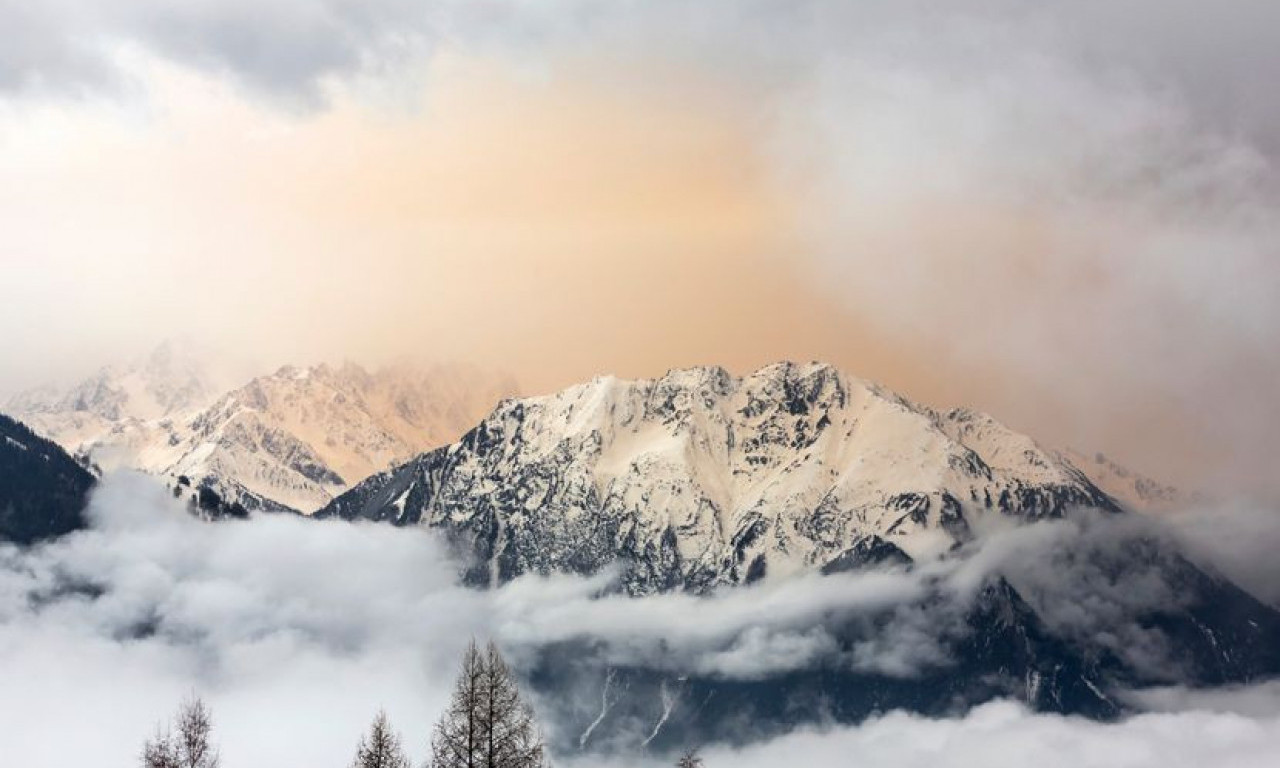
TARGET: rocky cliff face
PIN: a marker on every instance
(699, 478)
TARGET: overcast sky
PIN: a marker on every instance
(1064, 216)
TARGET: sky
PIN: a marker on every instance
(1061, 215)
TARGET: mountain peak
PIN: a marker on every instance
(702, 377)
(698, 478)
(289, 439)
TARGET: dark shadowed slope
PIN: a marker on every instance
(42, 489)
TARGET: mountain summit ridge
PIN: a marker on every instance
(699, 478)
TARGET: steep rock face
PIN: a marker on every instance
(43, 491)
(699, 478)
(1002, 650)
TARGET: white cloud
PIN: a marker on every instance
(1004, 734)
(297, 631)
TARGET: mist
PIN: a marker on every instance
(297, 631)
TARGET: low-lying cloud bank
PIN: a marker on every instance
(296, 632)
(1004, 734)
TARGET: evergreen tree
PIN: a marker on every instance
(43, 491)
(381, 749)
(488, 723)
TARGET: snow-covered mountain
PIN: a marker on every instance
(299, 436)
(120, 410)
(699, 478)
(699, 481)
(285, 441)
(175, 378)
(1133, 490)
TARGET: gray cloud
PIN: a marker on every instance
(284, 49)
(1220, 60)
(1238, 538)
(1026, 200)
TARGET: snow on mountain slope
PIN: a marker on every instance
(175, 378)
(120, 410)
(1132, 490)
(289, 440)
(299, 436)
(699, 478)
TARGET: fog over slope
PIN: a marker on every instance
(297, 631)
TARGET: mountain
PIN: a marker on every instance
(698, 479)
(43, 491)
(1000, 646)
(175, 378)
(285, 441)
(1133, 490)
(699, 482)
(294, 439)
(119, 411)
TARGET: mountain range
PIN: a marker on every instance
(289, 440)
(294, 439)
(698, 479)
(701, 484)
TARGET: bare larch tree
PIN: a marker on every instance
(690, 759)
(185, 744)
(381, 748)
(488, 723)
(511, 737)
(456, 741)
